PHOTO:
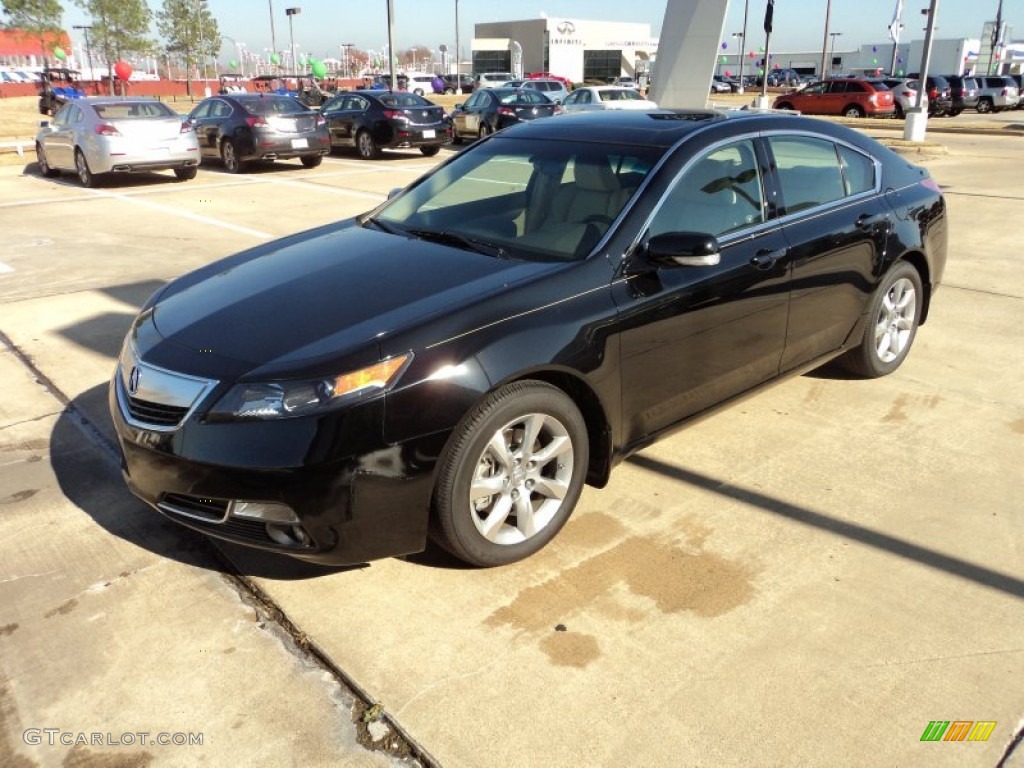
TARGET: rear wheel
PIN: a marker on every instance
(485, 130)
(900, 114)
(311, 162)
(430, 151)
(893, 317)
(44, 167)
(185, 174)
(785, 105)
(368, 149)
(229, 154)
(985, 105)
(511, 474)
(853, 111)
(85, 175)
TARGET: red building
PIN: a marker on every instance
(19, 48)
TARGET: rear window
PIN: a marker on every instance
(129, 110)
(276, 105)
(623, 95)
(404, 100)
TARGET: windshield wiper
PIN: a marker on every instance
(454, 238)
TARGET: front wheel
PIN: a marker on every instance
(853, 111)
(893, 317)
(511, 474)
(430, 151)
(484, 131)
(44, 167)
(985, 105)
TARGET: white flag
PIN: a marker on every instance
(896, 26)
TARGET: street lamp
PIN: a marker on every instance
(347, 49)
(292, 12)
(832, 50)
(88, 49)
(742, 44)
(458, 70)
(273, 37)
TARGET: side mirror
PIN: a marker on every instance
(395, 191)
(458, 106)
(683, 249)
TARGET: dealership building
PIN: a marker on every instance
(577, 49)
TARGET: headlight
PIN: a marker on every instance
(286, 399)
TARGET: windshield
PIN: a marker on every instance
(549, 200)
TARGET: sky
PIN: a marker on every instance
(323, 25)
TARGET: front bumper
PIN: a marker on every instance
(349, 506)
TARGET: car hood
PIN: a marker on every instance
(305, 302)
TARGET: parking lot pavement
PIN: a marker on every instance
(810, 577)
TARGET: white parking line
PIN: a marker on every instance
(184, 214)
(5, 269)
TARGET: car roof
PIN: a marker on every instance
(664, 128)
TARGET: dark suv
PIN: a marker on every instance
(964, 93)
(450, 81)
(940, 94)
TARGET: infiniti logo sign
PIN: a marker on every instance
(566, 28)
(133, 380)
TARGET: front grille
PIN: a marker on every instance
(156, 414)
(195, 507)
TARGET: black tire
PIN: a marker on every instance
(185, 174)
(229, 156)
(852, 110)
(517, 491)
(485, 131)
(984, 105)
(311, 161)
(44, 167)
(449, 91)
(900, 114)
(786, 105)
(367, 147)
(955, 112)
(430, 151)
(456, 139)
(85, 174)
(892, 321)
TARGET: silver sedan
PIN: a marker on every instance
(604, 97)
(101, 135)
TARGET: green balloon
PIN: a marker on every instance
(275, 59)
(319, 70)
(59, 54)
(724, 60)
(233, 64)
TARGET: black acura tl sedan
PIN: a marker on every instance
(461, 360)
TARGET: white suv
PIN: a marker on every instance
(493, 79)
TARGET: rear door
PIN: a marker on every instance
(837, 225)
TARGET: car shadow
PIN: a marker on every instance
(107, 180)
(86, 461)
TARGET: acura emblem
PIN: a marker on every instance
(133, 379)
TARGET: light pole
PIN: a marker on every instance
(202, 44)
(88, 49)
(824, 39)
(273, 37)
(347, 48)
(291, 13)
(740, 36)
(743, 37)
(458, 69)
(832, 50)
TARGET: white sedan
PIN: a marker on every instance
(601, 97)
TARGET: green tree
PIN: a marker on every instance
(119, 27)
(190, 32)
(39, 18)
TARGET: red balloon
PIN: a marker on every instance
(776, 65)
(728, 73)
(751, 54)
(123, 70)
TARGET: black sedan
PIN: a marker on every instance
(491, 109)
(242, 127)
(374, 120)
(465, 357)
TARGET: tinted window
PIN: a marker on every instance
(284, 105)
(720, 193)
(858, 171)
(808, 170)
(404, 100)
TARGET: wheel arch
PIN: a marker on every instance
(594, 415)
(918, 261)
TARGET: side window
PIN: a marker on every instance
(63, 116)
(858, 171)
(472, 101)
(203, 110)
(808, 171)
(718, 194)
